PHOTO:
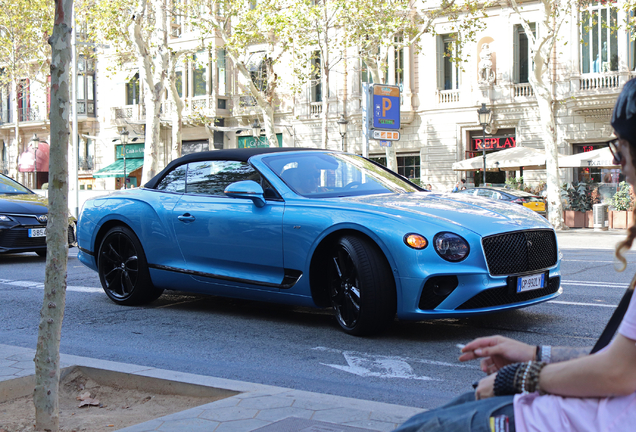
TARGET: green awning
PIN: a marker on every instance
(117, 169)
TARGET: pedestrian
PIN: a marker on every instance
(457, 186)
(553, 389)
(462, 185)
(429, 187)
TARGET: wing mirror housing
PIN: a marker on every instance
(247, 189)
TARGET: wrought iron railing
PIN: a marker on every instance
(86, 163)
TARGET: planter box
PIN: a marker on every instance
(589, 219)
(575, 219)
(620, 219)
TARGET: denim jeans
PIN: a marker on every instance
(462, 414)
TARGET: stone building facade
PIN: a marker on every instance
(439, 101)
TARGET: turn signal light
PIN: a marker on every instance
(415, 241)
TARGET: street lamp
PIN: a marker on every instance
(342, 128)
(124, 140)
(35, 142)
(256, 132)
(484, 120)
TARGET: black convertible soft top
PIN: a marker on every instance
(228, 154)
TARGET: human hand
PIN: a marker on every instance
(486, 387)
(497, 352)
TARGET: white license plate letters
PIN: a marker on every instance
(529, 283)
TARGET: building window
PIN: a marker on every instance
(5, 113)
(24, 100)
(219, 136)
(199, 74)
(221, 72)
(522, 55)
(257, 66)
(132, 90)
(315, 81)
(599, 44)
(408, 165)
(365, 75)
(447, 69)
(86, 86)
(398, 65)
(179, 82)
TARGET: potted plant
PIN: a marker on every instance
(578, 202)
(621, 206)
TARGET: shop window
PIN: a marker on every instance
(599, 44)
(595, 174)
(408, 165)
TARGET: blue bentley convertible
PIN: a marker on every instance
(317, 228)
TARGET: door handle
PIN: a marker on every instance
(187, 217)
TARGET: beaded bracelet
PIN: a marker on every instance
(518, 378)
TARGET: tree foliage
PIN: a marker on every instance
(24, 29)
(257, 36)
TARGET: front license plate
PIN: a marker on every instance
(37, 232)
(531, 282)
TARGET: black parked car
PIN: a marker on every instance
(526, 199)
(23, 217)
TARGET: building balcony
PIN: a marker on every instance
(447, 96)
(86, 163)
(26, 114)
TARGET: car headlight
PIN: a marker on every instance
(4, 218)
(451, 247)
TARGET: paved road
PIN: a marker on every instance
(412, 364)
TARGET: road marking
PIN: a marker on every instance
(40, 285)
(379, 366)
(595, 284)
(582, 304)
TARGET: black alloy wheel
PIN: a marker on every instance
(123, 269)
(361, 286)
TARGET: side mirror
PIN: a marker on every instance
(247, 189)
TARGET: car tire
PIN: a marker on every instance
(123, 269)
(361, 286)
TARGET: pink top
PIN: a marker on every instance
(549, 413)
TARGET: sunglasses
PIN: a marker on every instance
(618, 156)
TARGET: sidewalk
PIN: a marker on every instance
(587, 238)
(257, 407)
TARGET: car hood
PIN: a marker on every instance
(484, 217)
(23, 204)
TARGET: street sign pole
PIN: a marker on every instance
(366, 108)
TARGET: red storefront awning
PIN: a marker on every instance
(26, 161)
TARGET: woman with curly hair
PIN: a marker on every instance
(556, 389)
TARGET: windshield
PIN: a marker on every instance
(326, 175)
(9, 186)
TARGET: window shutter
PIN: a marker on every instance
(440, 62)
